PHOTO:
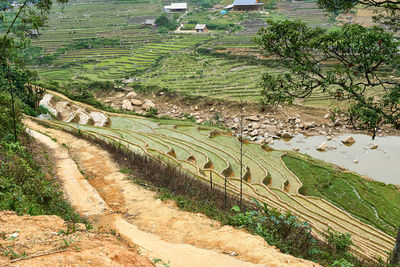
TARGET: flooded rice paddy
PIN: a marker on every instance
(381, 164)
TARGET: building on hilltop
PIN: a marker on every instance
(201, 28)
(245, 5)
(175, 7)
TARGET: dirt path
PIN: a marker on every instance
(159, 228)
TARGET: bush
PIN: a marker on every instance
(165, 24)
(24, 187)
(338, 241)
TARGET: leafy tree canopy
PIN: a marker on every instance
(19, 21)
(347, 63)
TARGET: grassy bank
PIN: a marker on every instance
(27, 183)
(373, 202)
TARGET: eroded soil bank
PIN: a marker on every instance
(159, 228)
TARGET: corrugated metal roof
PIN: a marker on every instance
(200, 27)
(246, 3)
(178, 5)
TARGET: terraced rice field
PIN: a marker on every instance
(136, 47)
(196, 74)
(205, 151)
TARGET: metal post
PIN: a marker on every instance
(211, 181)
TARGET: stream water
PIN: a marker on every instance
(381, 164)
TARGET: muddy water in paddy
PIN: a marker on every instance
(381, 164)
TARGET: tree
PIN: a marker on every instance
(18, 20)
(164, 23)
(351, 63)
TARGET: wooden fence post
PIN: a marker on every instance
(211, 181)
(225, 193)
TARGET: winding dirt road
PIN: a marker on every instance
(160, 229)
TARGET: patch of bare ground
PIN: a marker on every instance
(160, 228)
(42, 241)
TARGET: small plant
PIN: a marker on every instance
(152, 112)
(339, 241)
(188, 117)
(125, 170)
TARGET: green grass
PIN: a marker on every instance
(373, 202)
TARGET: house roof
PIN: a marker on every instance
(200, 26)
(178, 6)
(150, 21)
(246, 3)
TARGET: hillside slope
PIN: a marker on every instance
(159, 228)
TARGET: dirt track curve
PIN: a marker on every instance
(159, 228)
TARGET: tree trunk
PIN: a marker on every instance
(396, 252)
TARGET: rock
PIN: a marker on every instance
(81, 117)
(373, 146)
(253, 118)
(355, 161)
(286, 134)
(322, 147)
(119, 95)
(337, 123)
(329, 138)
(254, 125)
(131, 95)
(127, 105)
(136, 102)
(148, 104)
(327, 116)
(98, 118)
(291, 119)
(45, 102)
(130, 80)
(297, 120)
(308, 125)
(200, 121)
(235, 126)
(236, 120)
(348, 140)
(296, 149)
(196, 108)
(212, 109)
(63, 111)
(254, 133)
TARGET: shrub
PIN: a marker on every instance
(338, 241)
(24, 187)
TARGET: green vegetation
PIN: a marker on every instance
(371, 201)
(26, 183)
(346, 63)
